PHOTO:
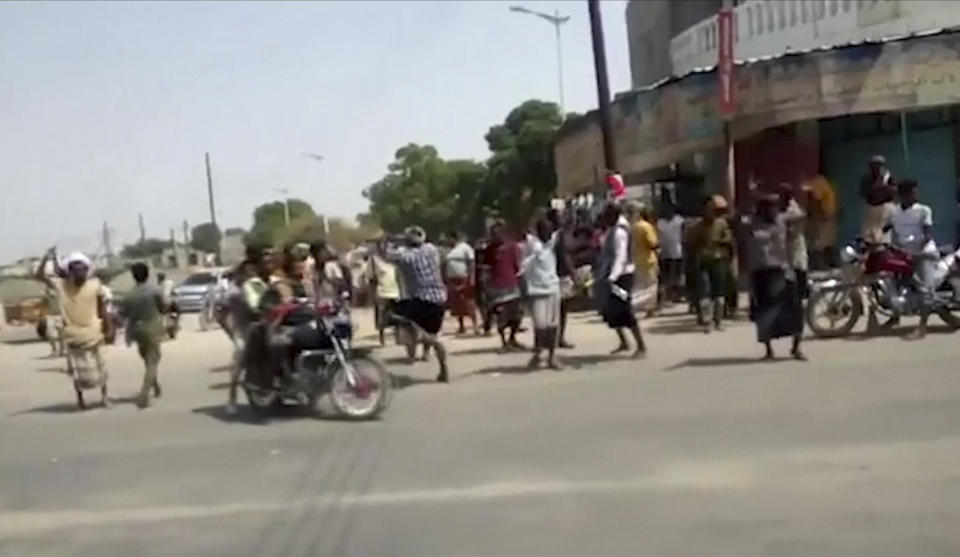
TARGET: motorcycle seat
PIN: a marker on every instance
(944, 250)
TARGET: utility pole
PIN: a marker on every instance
(107, 249)
(186, 233)
(213, 211)
(603, 86)
(143, 229)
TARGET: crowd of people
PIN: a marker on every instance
(631, 259)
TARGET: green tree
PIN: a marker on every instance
(148, 247)
(423, 189)
(521, 165)
(269, 220)
(206, 237)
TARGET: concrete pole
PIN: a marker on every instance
(603, 86)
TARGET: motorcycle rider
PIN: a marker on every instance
(912, 225)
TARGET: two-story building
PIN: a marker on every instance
(819, 87)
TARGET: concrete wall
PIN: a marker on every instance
(651, 24)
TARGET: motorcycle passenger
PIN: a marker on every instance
(912, 226)
(425, 305)
(256, 275)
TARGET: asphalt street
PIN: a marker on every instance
(699, 449)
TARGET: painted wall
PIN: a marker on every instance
(849, 143)
(788, 154)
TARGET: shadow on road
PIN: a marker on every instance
(20, 341)
(220, 369)
(245, 415)
(476, 351)
(93, 403)
(570, 362)
(398, 381)
(219, 386)
(52, 369)
(717, 362)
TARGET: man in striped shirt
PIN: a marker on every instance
(426, 295)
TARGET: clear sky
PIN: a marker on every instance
(107, 108)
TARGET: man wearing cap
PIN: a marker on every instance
(425, 304)
(82, 303)
(877, 190)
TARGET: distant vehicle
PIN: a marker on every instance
(189, 295)
(24, 303)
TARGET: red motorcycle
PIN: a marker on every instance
(885, 278)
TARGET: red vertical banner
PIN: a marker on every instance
(727, 103)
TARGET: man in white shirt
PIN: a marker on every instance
(912, 226)
(670, 232)
(459, 273)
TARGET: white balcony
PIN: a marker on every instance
(773, 27)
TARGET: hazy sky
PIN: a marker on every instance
(107, 108)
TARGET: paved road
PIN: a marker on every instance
(697, 450)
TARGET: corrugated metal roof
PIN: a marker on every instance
(789, 53)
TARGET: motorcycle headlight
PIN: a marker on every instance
(849, 255)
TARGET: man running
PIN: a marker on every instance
(425, 304)
(143, 308)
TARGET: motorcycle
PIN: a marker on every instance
(313, 346)
(883, 277)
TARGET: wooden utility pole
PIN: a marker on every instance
(213, 210)
(143, 229)
(107, 248)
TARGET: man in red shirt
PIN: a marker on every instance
(502, 257)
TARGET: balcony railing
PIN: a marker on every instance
(774, 27)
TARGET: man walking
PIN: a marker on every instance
(460, 263)
(142, 308)
(82, 304)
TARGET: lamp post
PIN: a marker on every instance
(556, 20)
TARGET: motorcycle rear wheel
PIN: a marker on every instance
(951, 318)
(366, 400)
(841, 308)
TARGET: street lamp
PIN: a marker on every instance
(556, 20)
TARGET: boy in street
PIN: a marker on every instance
(143, 308)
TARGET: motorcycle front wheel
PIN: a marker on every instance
(834, 313)
(368, 396)
(262, 401)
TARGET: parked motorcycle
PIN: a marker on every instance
(313, 345)
(884, 278)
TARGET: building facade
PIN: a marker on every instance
(651, 26)
(819, 86)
